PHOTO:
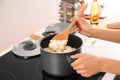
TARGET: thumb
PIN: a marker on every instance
(75, 56)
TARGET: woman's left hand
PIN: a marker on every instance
(115, 25)
(86, 64)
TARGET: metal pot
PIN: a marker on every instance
(58, 64)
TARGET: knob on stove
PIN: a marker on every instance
(6, 75)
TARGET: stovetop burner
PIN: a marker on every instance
(5, 75)
(46, 76)
(15, 68)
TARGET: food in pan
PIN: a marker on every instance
(59, 46)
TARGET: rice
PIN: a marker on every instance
(59, 46)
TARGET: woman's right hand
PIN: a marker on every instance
(87, 64)
(83, 27)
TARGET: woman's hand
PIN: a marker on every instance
(86, 64)
(115, 25)
(83, 27)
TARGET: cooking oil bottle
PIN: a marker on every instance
(94, 12)
(94, 20)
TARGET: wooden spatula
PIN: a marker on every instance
(64, 34)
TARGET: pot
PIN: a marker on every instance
(58, 64)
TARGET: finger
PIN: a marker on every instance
(71, 19)
(77, 62)
(81, 71)
(76, 30)
(83, 21)
(79, 59)
(76, 18)
(79, 67)
(75, 56)
(85, 75)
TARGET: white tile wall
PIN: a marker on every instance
(19, 18)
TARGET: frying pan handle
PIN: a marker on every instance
(48, 33)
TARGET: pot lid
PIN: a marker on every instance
(27, 49)
(57, 28)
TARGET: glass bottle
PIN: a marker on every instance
(94, 20)
(94, 13)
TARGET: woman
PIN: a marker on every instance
(87, 64)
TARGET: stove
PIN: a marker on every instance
(13, 67)
(24, 62)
